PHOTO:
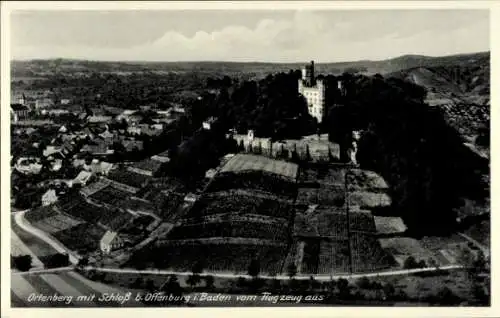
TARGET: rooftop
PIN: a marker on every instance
(148, 165)
(248, 162)
(18, 107)
(108, 237)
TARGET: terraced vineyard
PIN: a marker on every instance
(262, 181)
(234, 258)
(238, 202)
(232, 228)
(367, 254)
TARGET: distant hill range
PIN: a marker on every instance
(45, 67)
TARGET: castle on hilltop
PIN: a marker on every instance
(314, 91)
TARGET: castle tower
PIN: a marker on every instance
(314, 92)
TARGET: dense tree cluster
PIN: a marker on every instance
(412, 147)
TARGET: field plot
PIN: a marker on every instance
(225, 257)
(245, 162)
(324, 195)
(41, 213)
(366, 180)
(18, 248)
(368, 199)
(403, 247)
(389, 224)
(325, 176)
(368, 255)
(65, 284)
(233, 228)
(109, 195)
(241, 202)
(39, 247)
(56, 223)
(84, 237)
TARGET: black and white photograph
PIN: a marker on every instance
(229, 157)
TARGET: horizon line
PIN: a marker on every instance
(243, 62)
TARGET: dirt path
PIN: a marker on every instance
(281, 277)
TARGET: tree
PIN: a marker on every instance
(22, 262)
(410, 263)
(363, 283)
(389, 290)
(343, 288)
(193, 280)
(138, 283)
(446, 297)
(254, 268)
(209, 281)
(84, 261)
(292, 270)
(466, 259)
(150, 285)
(57, 260)
(172, 287)
(313, 283)
(197, 267)
(480, 263)
(433, 263)
(241, 282)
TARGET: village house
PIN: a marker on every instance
(134, 130)
(50, 150)
(49, 197)
(55, 163)
(55, 112)
(148, 167)
(207, 124)
(111, 241)
(82, 178)
(19, 112)
(28, 165)
(97, 111)
(99, 167)
(99, 120)
(125, 114)
(75, 109)
(43, 103)
(133, 145)
(162, 156)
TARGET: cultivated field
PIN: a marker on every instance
(245, 162)
(39, 247)
(389, 224)
(18, 248)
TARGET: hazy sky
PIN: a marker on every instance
(270, 35)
